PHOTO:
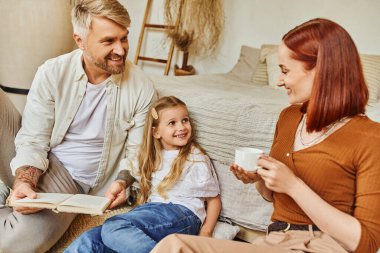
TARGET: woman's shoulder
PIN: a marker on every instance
(360, 134)
(364, 125)
(290, 113)
(292, 109)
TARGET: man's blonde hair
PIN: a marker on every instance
(84, 10)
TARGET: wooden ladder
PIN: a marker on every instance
(163, 28)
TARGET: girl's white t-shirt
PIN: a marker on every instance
(197, 182)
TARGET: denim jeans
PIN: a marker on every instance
(139, 230)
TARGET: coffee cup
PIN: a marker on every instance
(247, 158)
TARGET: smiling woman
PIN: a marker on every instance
(294, 78)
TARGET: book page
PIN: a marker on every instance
(87, 201)
(43, 200)
(78, 203)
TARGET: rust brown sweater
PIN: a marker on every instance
(343, 169)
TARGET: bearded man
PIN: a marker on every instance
(82, 123)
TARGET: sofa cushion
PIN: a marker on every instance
(273, 70)
(261, 76)
(246, 65)
(269, 58)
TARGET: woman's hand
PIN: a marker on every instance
(276, 175)
(116, 193)
(247, 177)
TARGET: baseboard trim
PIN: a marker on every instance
(14, 90)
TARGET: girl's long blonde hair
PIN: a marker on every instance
(150, 157)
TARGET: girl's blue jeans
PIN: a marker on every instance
(139, 230)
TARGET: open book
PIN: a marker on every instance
(70, 203)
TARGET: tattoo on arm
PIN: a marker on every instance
(28, 174)
(126, 176)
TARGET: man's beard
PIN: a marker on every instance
(103, 64)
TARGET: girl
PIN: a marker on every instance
(175, 176)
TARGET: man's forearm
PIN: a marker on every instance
(126, 176)
(27, 174)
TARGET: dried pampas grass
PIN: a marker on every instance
(200, 27)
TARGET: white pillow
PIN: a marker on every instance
(273, 70)
(260, 76)
(226, 231)
(246, 65)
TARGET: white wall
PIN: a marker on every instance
(254, 22)
(31, 32)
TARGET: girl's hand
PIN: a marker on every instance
(116, 193)
(247, 177)
(276, 175)
(206, 232)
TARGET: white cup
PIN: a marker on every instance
(247, 158)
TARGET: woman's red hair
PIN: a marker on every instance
(339, 88)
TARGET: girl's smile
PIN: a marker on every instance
(174, 128)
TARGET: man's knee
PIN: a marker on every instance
(16, 244)
(15, 238)
(31, 233)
